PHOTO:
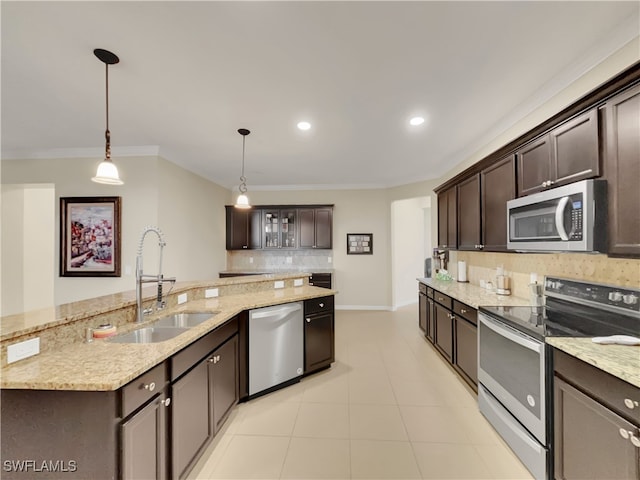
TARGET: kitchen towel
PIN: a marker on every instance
(462, 271)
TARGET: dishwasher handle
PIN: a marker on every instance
(281, 311)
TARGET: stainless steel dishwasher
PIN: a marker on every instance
(276, 346)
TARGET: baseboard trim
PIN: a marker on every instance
(363, 307)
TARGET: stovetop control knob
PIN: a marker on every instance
(630, 299)
(615, 296)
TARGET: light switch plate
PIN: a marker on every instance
(278, 284)
(182, 298)
(298, 282)
(250, 259)
(210, 293)
(329, 260)
(289, 259)
(21, 350)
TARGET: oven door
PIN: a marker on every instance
(511, 365)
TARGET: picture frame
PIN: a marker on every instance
(359, 243)
(90, 236)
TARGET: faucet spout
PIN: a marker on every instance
(142, 278)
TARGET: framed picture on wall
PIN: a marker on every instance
(90, 236)
(359, 243)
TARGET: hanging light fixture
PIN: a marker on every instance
(242, 200)
(107, 172)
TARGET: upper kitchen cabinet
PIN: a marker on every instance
(622, 170)
(469, 233)
(279, 228)
(568, 153)
(243, 228)
(448, 219)
(316, 225)
(497, 186)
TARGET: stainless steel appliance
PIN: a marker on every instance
(515, 371)
(567, 218)
(276, 347)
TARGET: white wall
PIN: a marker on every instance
(409, 244)
(28, 235)
(155, 192)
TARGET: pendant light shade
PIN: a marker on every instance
(243, 201)
(107, 172)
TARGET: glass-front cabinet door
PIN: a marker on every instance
(288, 229)
(271, 228)
(280, 229)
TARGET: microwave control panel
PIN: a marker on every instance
(576, 218)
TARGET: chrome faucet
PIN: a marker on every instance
(142, 278)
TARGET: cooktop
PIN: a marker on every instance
(576, 309)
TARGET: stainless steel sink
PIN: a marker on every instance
(149, 335)
(184, 319)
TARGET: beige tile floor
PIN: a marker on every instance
(389, 408)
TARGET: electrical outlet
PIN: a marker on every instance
(250, 259)
(298, 282)
(329, 260)
(210, 293)
(289, 259)
(278, 284)
(127, 269)
(21, 350)
(182, 298)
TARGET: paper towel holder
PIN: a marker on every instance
(462, 272)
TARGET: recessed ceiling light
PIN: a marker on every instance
(415, 121)
(304, 125)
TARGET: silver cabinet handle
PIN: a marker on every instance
(308, 320)
(624, 433)
(244, 246)
(630, 404)
(217, 358)
(166, 402)
(322, 305)
(635, 441)
(211, 360)
(150, 386)
(462, 310)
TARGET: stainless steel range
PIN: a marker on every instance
(515, 370)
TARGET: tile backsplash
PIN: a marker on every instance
(280, 260)
(589, 267)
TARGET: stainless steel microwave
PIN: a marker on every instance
(571, 218)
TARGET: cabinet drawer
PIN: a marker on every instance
(422, 288)
(189, 356)
(320, 280)
(143, 388)
(429, 292)
(465, 311)
(618, 395)
(442, 299)
(318, 305)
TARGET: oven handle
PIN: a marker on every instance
(562, 204)
(505, 331)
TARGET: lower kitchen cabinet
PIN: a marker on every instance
(144, 440)
(322, 280)
(223, 381)
(422, 307)
(596, 425)
(444, 331)
(319, 333)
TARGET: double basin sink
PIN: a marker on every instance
(164, 328)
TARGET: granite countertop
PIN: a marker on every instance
(103, 366)
(622, 361)
(473, 295)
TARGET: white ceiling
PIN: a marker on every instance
(192, 73)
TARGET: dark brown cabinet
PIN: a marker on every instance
(430, 327)
(315, 227)
(466, 342)
(468, 218)
(596, 432)
(443, 340)
(144, 441)
(323, 280)
(422, 307)
(280, 228)
(497, 186)
(223, 381)
(622, 170)
(448, 219)
(568, 153)
(243, 231)
(319, 333)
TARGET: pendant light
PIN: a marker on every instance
(107, 172)
(242, 200)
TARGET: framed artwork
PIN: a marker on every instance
(90, 236)
(359, 243)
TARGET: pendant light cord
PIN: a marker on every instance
(107, 133)
(243, 179)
